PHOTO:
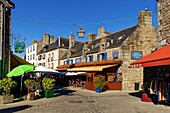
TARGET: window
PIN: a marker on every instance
(39, 64)
(28, 50)
(64, 62)
(115, 54)
(52, 65)
(91, 58)
(85, 59)
(85, 51)
(112, 41)
(49, 58)
(28, 58)
(33, 48)
(78, 60)
(102, 47)
(71, 61)
(39, 57)
(67, 61)
(33, 56)
(120, 37)
(104, 56)
(98, 57)
(43, 56)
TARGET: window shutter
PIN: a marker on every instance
(98, 57)
(92, 58)
(105, 56)
(86, 59)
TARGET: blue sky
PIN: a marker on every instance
(114, 15)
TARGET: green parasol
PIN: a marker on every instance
(20, 70)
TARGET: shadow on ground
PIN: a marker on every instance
(137, 94)
(14, 109)
(62, 91)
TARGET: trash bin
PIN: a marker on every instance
(136, 85)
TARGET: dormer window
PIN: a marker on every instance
(112, 41)
(85, 51)
(108, 44)
(120, 37)
(44, 49)
(92, 47)
(102, 47)
(68, 54)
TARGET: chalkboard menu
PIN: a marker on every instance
(31, 87)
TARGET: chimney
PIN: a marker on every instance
(51, 39)
(91, 37)
(47, 39)
(34, 41)
(145, 17)
(101, 31)
(71, 40)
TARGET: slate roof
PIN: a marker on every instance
(64, 43)
(47, 47)
(94, 46)
(119, 37)
(75, 51)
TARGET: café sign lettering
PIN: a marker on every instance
(135, 55)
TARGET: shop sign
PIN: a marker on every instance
(19, 43)
(135, 55)
(31, 87)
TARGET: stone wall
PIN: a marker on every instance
(143, 39)
(164, 22)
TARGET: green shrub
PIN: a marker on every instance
(99, 82)
(48, 83)
(29, 80)
(7, 84)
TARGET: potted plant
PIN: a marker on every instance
(7, 84)
(48, 84)
(145, 97)
(119, 78)
(99, 82)
(29, 95)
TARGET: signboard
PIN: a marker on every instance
(31, 87)
(135, 55)
(19, 43)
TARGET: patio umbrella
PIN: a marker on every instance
(20, 70)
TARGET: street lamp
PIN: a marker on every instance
(81, 33)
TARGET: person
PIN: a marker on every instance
(69, 83)
(83, 84)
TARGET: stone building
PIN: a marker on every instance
(163, 22)
(36, 46)
(5, 32)
(128, 45)
(49, 56)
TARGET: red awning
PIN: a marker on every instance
(157, 58)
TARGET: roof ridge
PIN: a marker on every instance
(123, 30)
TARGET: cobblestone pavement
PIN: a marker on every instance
(76, 100)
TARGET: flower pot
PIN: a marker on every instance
(5, 99)
(98, 90)
(49, 94)
(145, 98)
